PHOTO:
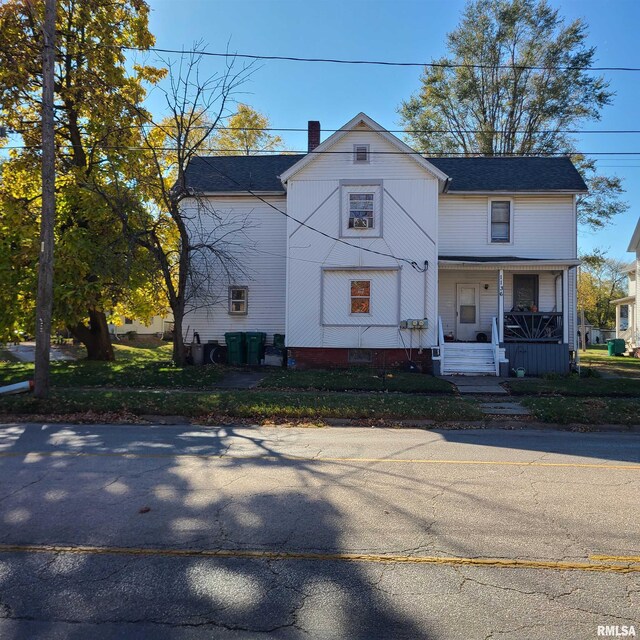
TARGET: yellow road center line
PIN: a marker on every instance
(499, 563)
(105, 454)
(605, 558)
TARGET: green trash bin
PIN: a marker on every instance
(235, 348)
(278, 340)
(616, 347)
(255, 346)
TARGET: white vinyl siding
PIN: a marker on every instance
(385, 161)
(261, 250)
(541, 227)
(338, 300)
(408, 229)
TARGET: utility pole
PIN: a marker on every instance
(44, 300)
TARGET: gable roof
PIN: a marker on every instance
(510, 174)
(635, 238)
(236, 174)
(363, 118)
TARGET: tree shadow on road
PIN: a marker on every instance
(156, 505)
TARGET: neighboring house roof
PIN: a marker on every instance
(363, 118)
(237, 174)
(512, 174)
(635, 238)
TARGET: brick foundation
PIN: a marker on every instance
(327, 358)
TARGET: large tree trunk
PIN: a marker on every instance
(95, 337)
(179, 353)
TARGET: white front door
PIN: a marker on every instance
(467, 311)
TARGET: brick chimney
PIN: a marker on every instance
(314, 134)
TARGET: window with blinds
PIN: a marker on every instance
(500, 221)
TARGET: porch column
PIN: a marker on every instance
(501, 305)
(618, 320)
(565, 305)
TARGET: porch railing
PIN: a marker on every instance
(530, 326)
(441, 344)
(495, 341)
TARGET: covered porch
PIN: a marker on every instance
(626, 318)
(519, 308)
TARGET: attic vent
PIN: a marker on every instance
(361, 153)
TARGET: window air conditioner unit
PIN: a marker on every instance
(361, 223)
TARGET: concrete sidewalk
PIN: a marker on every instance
(478, 384)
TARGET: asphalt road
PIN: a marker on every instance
(194, 532)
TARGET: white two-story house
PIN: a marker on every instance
(628, 308)
(363, 251)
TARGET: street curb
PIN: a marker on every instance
(490, 423)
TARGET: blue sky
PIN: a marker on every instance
(291, 93)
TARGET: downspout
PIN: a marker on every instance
(424, 315)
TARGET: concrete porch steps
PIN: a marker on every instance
(468, 358)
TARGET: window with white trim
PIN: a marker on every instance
(238, 301)
(500, 212)
(360, 153)
(361, 210)
(361, 296)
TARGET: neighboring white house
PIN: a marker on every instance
(628, 308)
(364, 251)
(156, 326)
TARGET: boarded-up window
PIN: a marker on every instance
(361, 296)
(361, 210)
(500, 221)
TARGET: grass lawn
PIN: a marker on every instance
(139, 366)
(597, 358)
(575, 386)
(245, 404)
(355, 380)
(596, 410)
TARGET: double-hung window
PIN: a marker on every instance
(361, 210)
(500, 212)
(238, 301)
(360, 296)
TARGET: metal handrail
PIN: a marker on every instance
(495, 341)
(441, 344)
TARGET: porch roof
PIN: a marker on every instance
(625, 300)
(492, 262)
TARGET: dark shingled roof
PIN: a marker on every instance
(260, 173)
(238, 173)
(510, 174)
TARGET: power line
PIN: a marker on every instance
(410, 131)
(254, 152)
(385, 63)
